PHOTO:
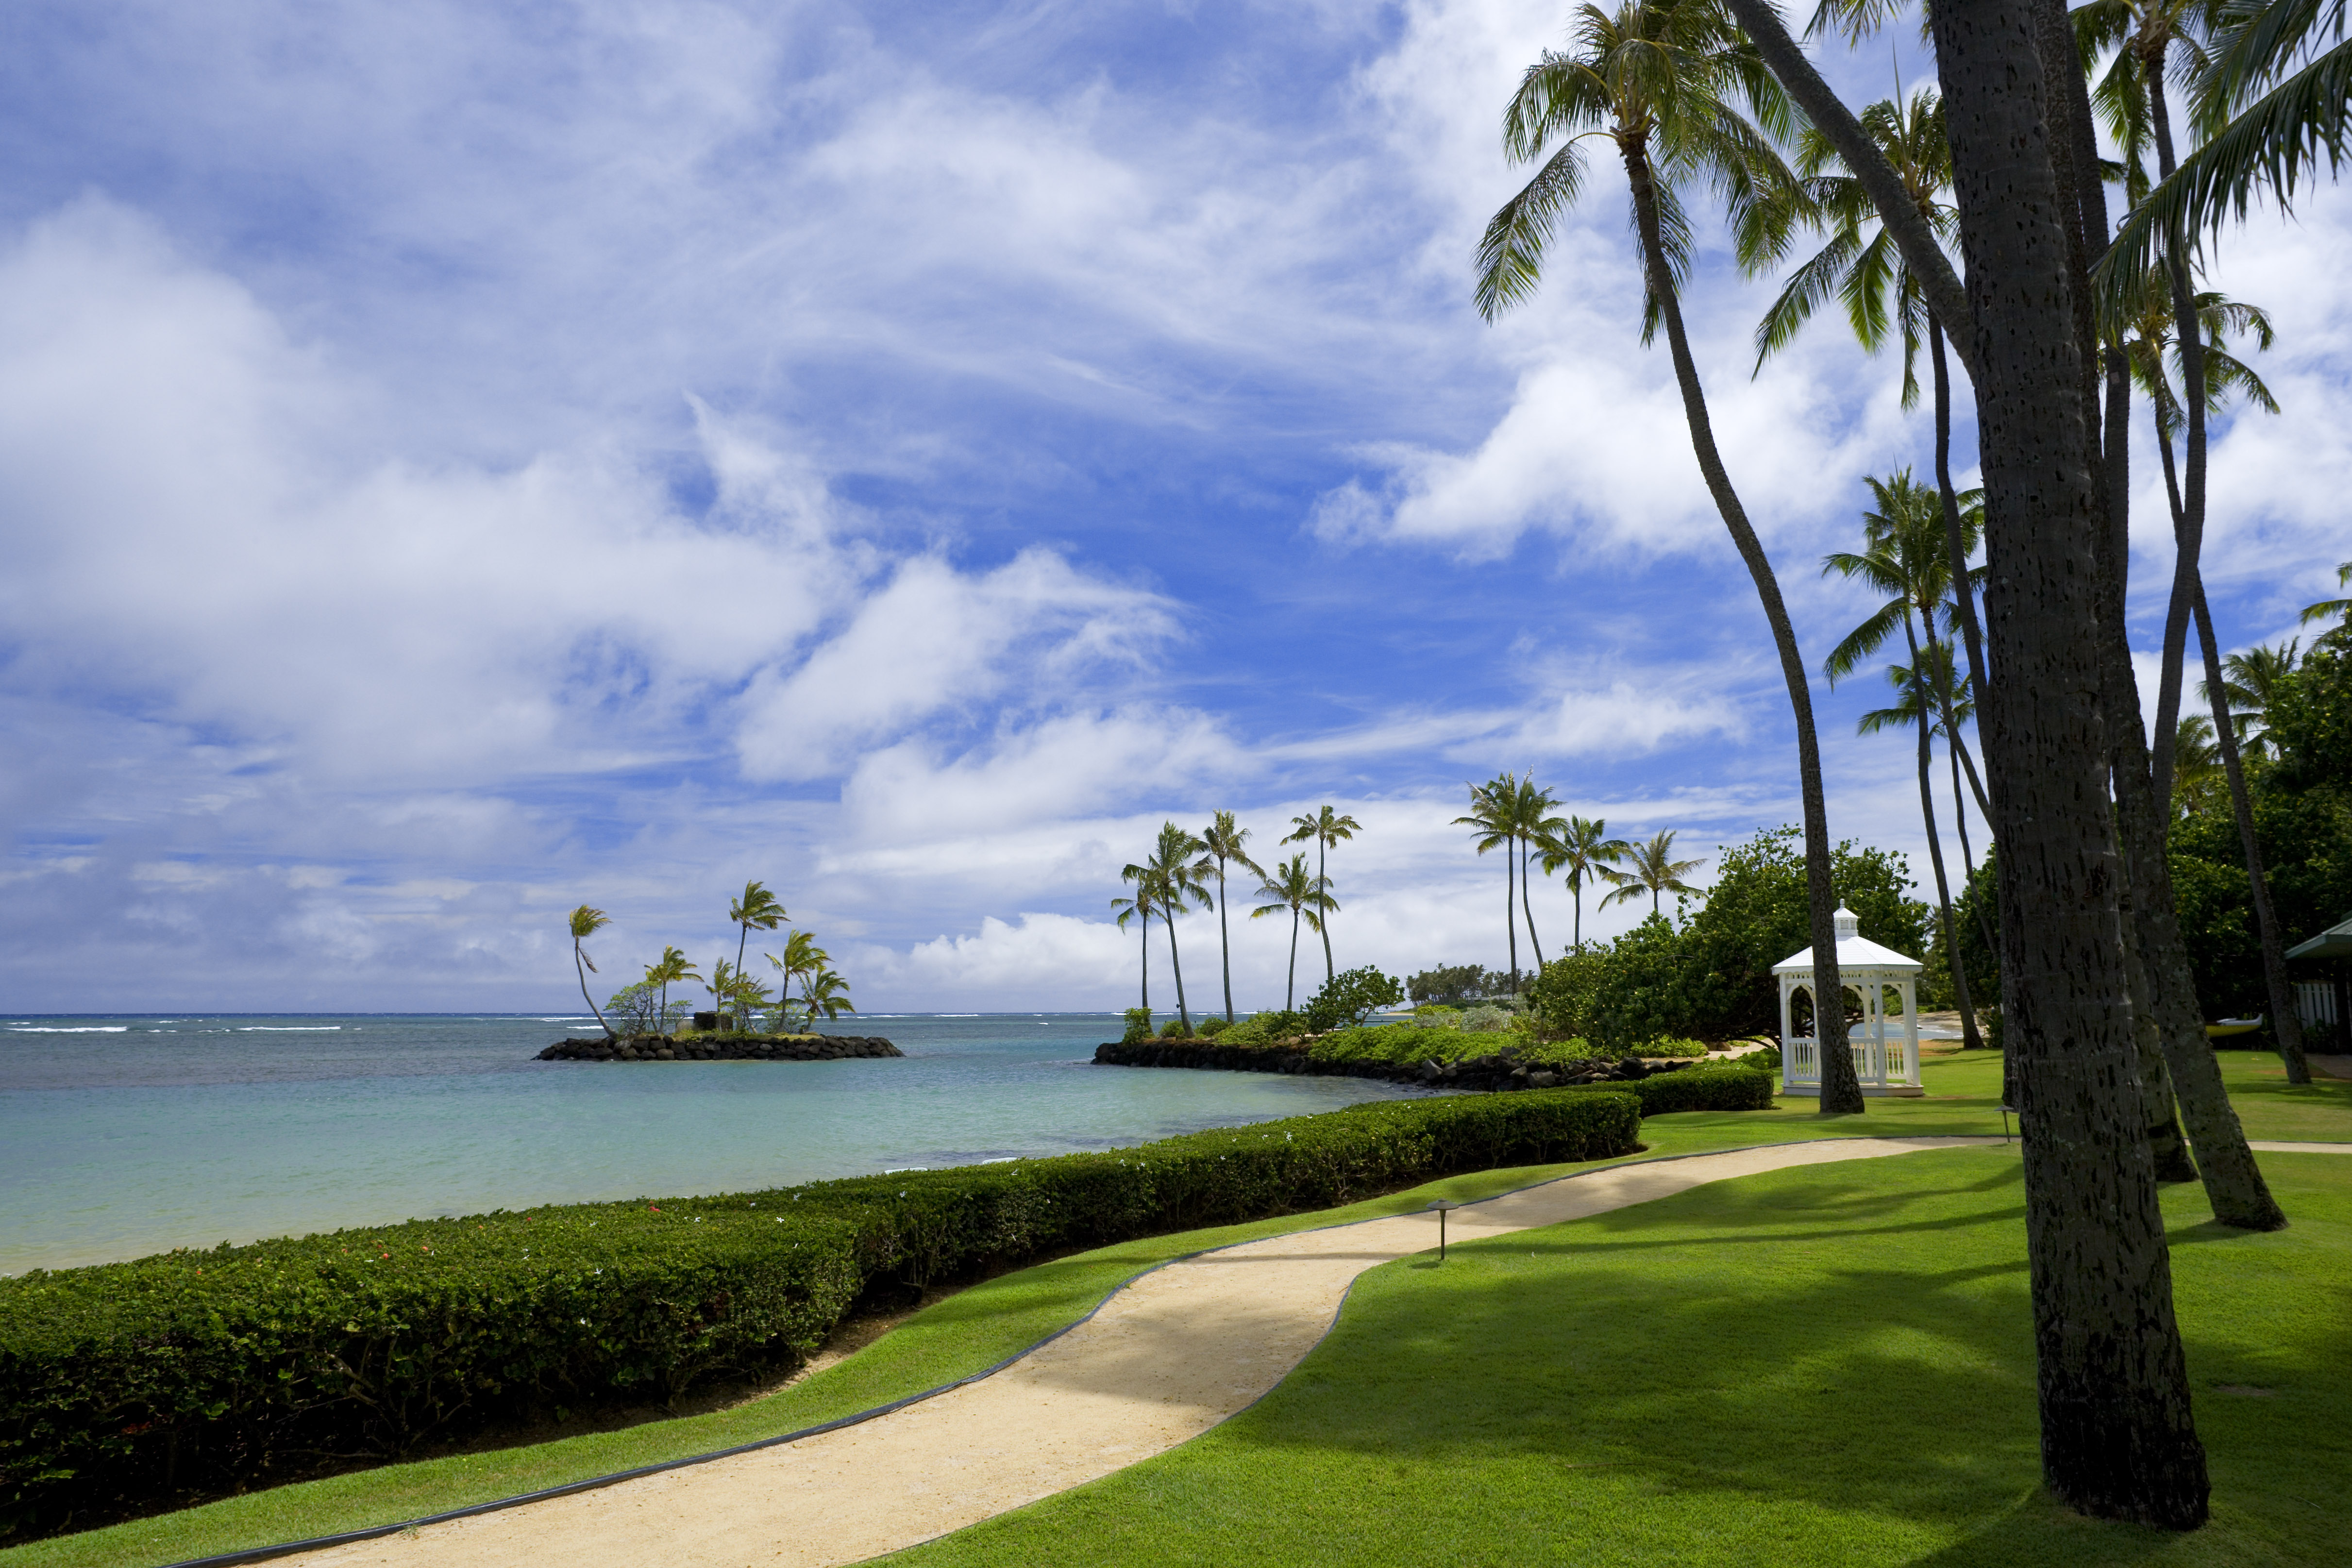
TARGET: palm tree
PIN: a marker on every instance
(1532, 819)
(757, 907)
(1141, 906)
(1589, 854)
(1226, 841)
(1178, 868)
(1324, 829)
(1657, 78)
(1306, 898)
(2199, 779)
(2248, 680)
(586, 923)
(672, 967)
(822, 991)
(1493, 818)
(1916, 684)
(1905, 557)
(2327, 607)
(1656, 872)
(722, 984)
(801, 958)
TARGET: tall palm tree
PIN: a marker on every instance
(757, 907)
(1324, 829)
(1306, 898)
(1227, 840)
(586, 923)
(1658, 78)
(1532, 821)
(1654, 870)
(2327, 607)
(673, 966)
(1493, 819)
(1141, 906)
(1589, 855)
(1179, 867)
(1904, 556)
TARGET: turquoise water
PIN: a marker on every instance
(122, 1136)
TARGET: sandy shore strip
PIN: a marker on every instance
(1166, 1358)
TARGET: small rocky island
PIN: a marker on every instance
(719, 1048)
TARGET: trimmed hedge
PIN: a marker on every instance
(128, 1385)
(1724, 1088)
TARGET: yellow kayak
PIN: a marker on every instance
(2229, 1026)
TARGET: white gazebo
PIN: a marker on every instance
(1884, 1066)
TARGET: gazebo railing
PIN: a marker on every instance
(1878, 1065)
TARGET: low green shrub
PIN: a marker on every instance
(1211, 1027)
(1138, 1026)
(1350, 997)
(1724, 1088)
(1669, 1046)
(1173, 1030)
(125, 1384)
(1266, 1028)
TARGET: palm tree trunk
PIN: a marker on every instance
(579, 967)
(2157, 1104)
(2188, 524)
(1290, 981)
(1510, 918)
(1224, 941)
(2286, 1028)
(1535, 944)
(1970, 1040)
(1324, 925)
(2117, 1435)
(1146, 963)
(1576, 891)
(1955, 538)
(1841, 1088)
(1176, 962)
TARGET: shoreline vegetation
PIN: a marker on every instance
(160, 1382)
(688, 1047)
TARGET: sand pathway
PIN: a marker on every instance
(1166, 1358)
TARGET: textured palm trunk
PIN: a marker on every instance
(1290, 981)
(580, 967)
(1956, 543)
(2117, 1435)
(1225, 942)
(1323, 926)
(2285, 1026)
(2188, 523)
(1147, 960)
(2157, 1103)
(1535, 942)
(1841, 1088)
(1510, 914)
(1176, 962)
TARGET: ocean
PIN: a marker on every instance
(124, 1136)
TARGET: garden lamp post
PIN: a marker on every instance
(1443, 1207)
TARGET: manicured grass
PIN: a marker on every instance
(967, 1333)
(1828, 1365)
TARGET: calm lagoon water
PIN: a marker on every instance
(122, 1136)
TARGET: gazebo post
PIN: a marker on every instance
(1910, 1032)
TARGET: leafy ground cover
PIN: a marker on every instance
(1831, 1364)
(974, 1329)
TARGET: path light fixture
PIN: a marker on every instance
(1443, 1207)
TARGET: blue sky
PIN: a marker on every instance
(457, 460)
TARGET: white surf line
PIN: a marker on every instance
(1165, 1358)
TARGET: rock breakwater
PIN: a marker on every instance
(1501, 1071)
(721, 1048)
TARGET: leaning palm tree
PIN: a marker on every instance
(1308, 898)
(1227, 840)
(1179, 867)
(1492, 821)
(586, 923)
(757, 907)
(801, 958)
(1585, 850)
(2248, 681)
(1324, 829)
(1654, 870)
(1658, 78)
(825, 992)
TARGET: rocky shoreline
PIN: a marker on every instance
(721, 1048)
(1499, 1072)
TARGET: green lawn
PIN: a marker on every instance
(969, 1331)
(1828, 1365)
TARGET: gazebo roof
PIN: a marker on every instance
(2335, 942)
(1856, 954)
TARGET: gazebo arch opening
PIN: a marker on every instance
(1868, 973)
